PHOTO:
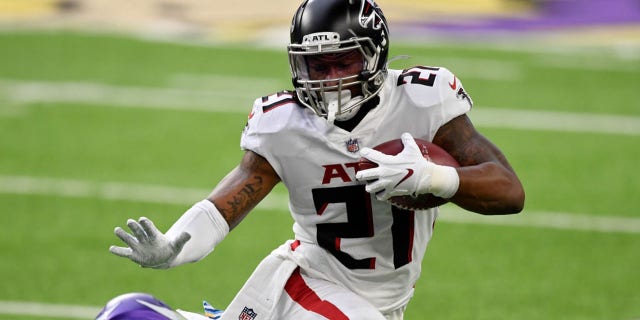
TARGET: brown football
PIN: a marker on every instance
(431, 152)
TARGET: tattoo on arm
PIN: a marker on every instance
(248, 195)
(460, 138)
(244, 187)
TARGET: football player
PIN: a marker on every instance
(143, 306)
(354, 255)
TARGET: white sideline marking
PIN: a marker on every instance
(186, 196)
(48, 310)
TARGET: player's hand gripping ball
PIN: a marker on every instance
(431, 152)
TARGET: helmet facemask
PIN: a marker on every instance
(337, 98)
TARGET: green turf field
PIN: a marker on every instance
(98, 129)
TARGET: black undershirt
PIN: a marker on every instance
(349, 125)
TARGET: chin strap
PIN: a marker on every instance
(340, 105)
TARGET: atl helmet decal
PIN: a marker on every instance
(321, 38)
(368, 15)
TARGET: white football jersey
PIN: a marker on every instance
(346, 234)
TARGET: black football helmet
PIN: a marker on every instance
(334, 28)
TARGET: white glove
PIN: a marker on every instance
(407, 173)
(148, 247)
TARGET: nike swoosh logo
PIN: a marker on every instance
(454, 85)
(409, 174)
(170, 314)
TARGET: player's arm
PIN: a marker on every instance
(196, 233)
(243, 188)
(488, 184)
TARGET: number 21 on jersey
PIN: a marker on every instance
(360, 225)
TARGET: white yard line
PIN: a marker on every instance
(185, 196)
(586, 63)
(225, 82)
(477, 68)
(125, 97)
(228, 99)
(555, 121)
(549, 220)
(48, 310)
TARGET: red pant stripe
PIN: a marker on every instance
(300, 292)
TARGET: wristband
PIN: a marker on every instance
(444, 181)
(207, 228)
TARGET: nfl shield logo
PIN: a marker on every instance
(247, 314)
(353, 146)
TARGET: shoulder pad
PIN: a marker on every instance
(271, 102)
(427, 86)
(418, 75)
(272, 112)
